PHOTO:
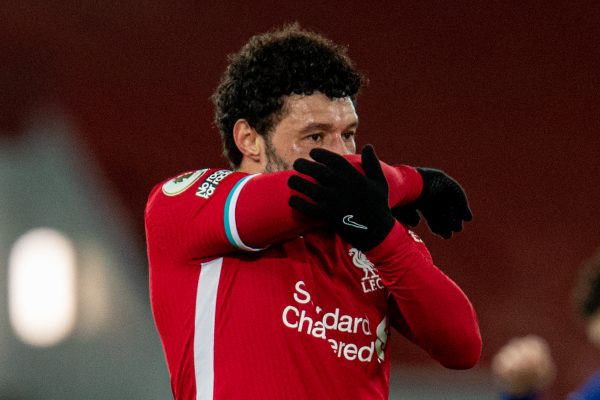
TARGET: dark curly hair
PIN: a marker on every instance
(274, 65)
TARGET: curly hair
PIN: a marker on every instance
(270, 67)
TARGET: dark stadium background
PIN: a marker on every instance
(504, 96)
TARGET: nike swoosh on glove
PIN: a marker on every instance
(356, 205)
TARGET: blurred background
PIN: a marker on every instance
(100, 100)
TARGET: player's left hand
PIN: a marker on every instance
(356, 205)
(443, 203)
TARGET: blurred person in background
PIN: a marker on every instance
(280, 278)
(524, 366)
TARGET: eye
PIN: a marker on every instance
(315, 137)
(348, 135)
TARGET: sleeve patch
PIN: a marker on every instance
(180, 183)
(207, 188)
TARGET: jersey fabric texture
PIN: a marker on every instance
(253, 301)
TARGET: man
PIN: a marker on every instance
(273, 283)
(524, 367)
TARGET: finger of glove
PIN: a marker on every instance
(407, 215)
(371, 164)
(312, 190)
(455, 225)
(438, 226)
(441, 231)
(334, 161)
(460, 199)
(320, 172)
(306, 207)
(467, 215)
(461, 210)
(451, 218)
(446, 234)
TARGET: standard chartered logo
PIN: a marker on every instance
(295, 317)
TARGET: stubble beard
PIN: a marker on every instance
(274, 162)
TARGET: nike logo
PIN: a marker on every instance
(347, 220)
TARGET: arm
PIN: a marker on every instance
(264, 216)
(428, 307)
(437, 314)
(223, 211)
(405, 182)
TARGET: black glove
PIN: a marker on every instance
(356, 205)
(442, 202)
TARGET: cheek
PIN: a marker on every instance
(288, 150)
(351, 146)
(298, 151)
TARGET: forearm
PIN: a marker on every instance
(438, 316)
(226, 211)
(404, 182)
(263, 215)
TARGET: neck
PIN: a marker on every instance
(250, 166)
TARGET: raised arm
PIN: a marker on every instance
(434, 312)
(212, 212)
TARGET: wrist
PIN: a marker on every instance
(396, 241)
(377, 233)
(405, 184)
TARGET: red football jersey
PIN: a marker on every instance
(253, 301)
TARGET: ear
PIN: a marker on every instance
(248, 141)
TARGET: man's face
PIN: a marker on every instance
(309, 122)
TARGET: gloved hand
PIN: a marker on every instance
(356, 205)
(442, 202)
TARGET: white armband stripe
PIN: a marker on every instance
(229, 215)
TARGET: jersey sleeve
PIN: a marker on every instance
(426, 305)
(197, 217)
(211, 212)
(405, 182)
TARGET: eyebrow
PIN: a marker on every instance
(324, 127)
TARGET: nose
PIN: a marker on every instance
(339, 145)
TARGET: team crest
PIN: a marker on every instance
(180, 183)
(370, 280)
